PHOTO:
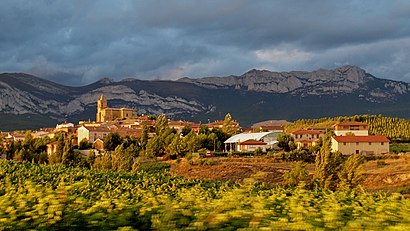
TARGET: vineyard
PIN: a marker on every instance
(396, 129)
(56, 197)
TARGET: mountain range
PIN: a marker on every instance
(28, 102)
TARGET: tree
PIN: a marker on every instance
(68, 157)
(203, 129)
(84, 144)
(22, 155)
(144, 137)
(185, 130)
(327, 166)
(227, 126)
(103, 162)
(161, 124)
(213, 137)
(177, 148)
(154, 147)
(121, 159)
(285, 142)
(222, 137)
(192, 143)
(350, 175)
(297, 175)
(112, 141)
(57, 156)
(9, 149)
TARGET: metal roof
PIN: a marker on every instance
(247, 136)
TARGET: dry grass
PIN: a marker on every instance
(386, 175)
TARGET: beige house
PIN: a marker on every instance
(104, 113)
(360, 144)
(91, 134)
(98, 144)
(306, 138)
(251, 145)
(357, 128)
(15, 136)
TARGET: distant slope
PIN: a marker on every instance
(257, 95)
(396, 129)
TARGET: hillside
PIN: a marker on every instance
(396, 129)
(254, 96)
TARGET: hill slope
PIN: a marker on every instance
(254, 96)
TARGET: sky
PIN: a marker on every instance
(77, 42)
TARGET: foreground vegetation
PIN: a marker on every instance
(46, 197)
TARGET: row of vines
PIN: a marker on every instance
(56, 197)
(396, 129)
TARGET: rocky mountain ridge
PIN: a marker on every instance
(342, 80)
(254, 96)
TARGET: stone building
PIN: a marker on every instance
(104, 113)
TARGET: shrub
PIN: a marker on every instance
(297, 175)
(350, 175)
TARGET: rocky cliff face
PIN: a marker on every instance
(343, 80)
(24, 94)
(267, 95)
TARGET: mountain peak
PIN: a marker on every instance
(342, 80)
(105, 80)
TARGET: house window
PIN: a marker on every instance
(357, 143)
(370, 143)
(344, 143)
(382, 143)
(357, 151)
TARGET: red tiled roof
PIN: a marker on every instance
(99, 129)
(300, 132)
(350, 123)
(306, 141)
(252, 142)
(272, 127)
(363, 139)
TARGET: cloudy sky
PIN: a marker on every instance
(76, 42)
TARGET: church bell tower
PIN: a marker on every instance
(101, 105)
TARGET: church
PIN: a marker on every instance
(104, 113)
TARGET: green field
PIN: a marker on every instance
(399, 147)
(45, 197)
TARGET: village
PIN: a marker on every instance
(347, 137)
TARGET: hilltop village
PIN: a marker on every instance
(347, 137)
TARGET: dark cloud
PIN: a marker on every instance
(78, 42)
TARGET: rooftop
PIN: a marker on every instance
(247, 136)
(252, 142)
(360, 139)
(301, 132)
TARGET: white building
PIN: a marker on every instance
(242, 142)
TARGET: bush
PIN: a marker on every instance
(297, 175)
(295, 155)
(206, 162)
(404, 190)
